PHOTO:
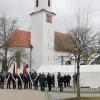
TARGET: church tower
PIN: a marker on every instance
(42, 33)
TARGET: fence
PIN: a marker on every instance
(67, 89)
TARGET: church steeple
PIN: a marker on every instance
(42, 30)
(42, 4)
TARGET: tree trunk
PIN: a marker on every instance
(78, 78)
(4, 64)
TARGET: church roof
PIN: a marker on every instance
(42, 11)
(63, 42)
(20, 38)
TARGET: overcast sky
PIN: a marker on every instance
(65, 9)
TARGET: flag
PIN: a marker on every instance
(24, 69)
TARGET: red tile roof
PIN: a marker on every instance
(20, 38)
(63, 42)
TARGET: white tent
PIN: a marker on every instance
(89, 74)
(68, 68)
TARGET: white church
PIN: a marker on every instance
(47, 43)
(43, 38)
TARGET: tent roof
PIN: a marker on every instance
(68, 68)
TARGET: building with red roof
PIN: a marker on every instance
(20, 38)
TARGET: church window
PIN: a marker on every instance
(49, 3)
(37, 3)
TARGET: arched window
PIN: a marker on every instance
(49, 3)
(37, 3)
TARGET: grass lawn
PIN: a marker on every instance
(86, 98)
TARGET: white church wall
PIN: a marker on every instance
(48, 41)
(37, 39)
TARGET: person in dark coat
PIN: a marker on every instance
(2, 81)
(14, 80)
(65, 80)
(74, 80)
(68, 80)
(39, 79)
(49, 81)
(30, 82)
(34, 75)
(42, 81)
(36, 80)
(25, 78)
(53, 80)
(2, 78)
(58, 76)
(9, 78)
(61, 83)
(20, 81)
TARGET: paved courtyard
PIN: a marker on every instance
(22, 95)
(62, 96)
(38, 95)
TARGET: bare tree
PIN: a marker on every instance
(83, 37)
(22, 56)
(79, 39)
(7, 27)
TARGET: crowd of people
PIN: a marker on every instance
(34, 80)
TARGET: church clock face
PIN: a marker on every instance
(49, 18)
